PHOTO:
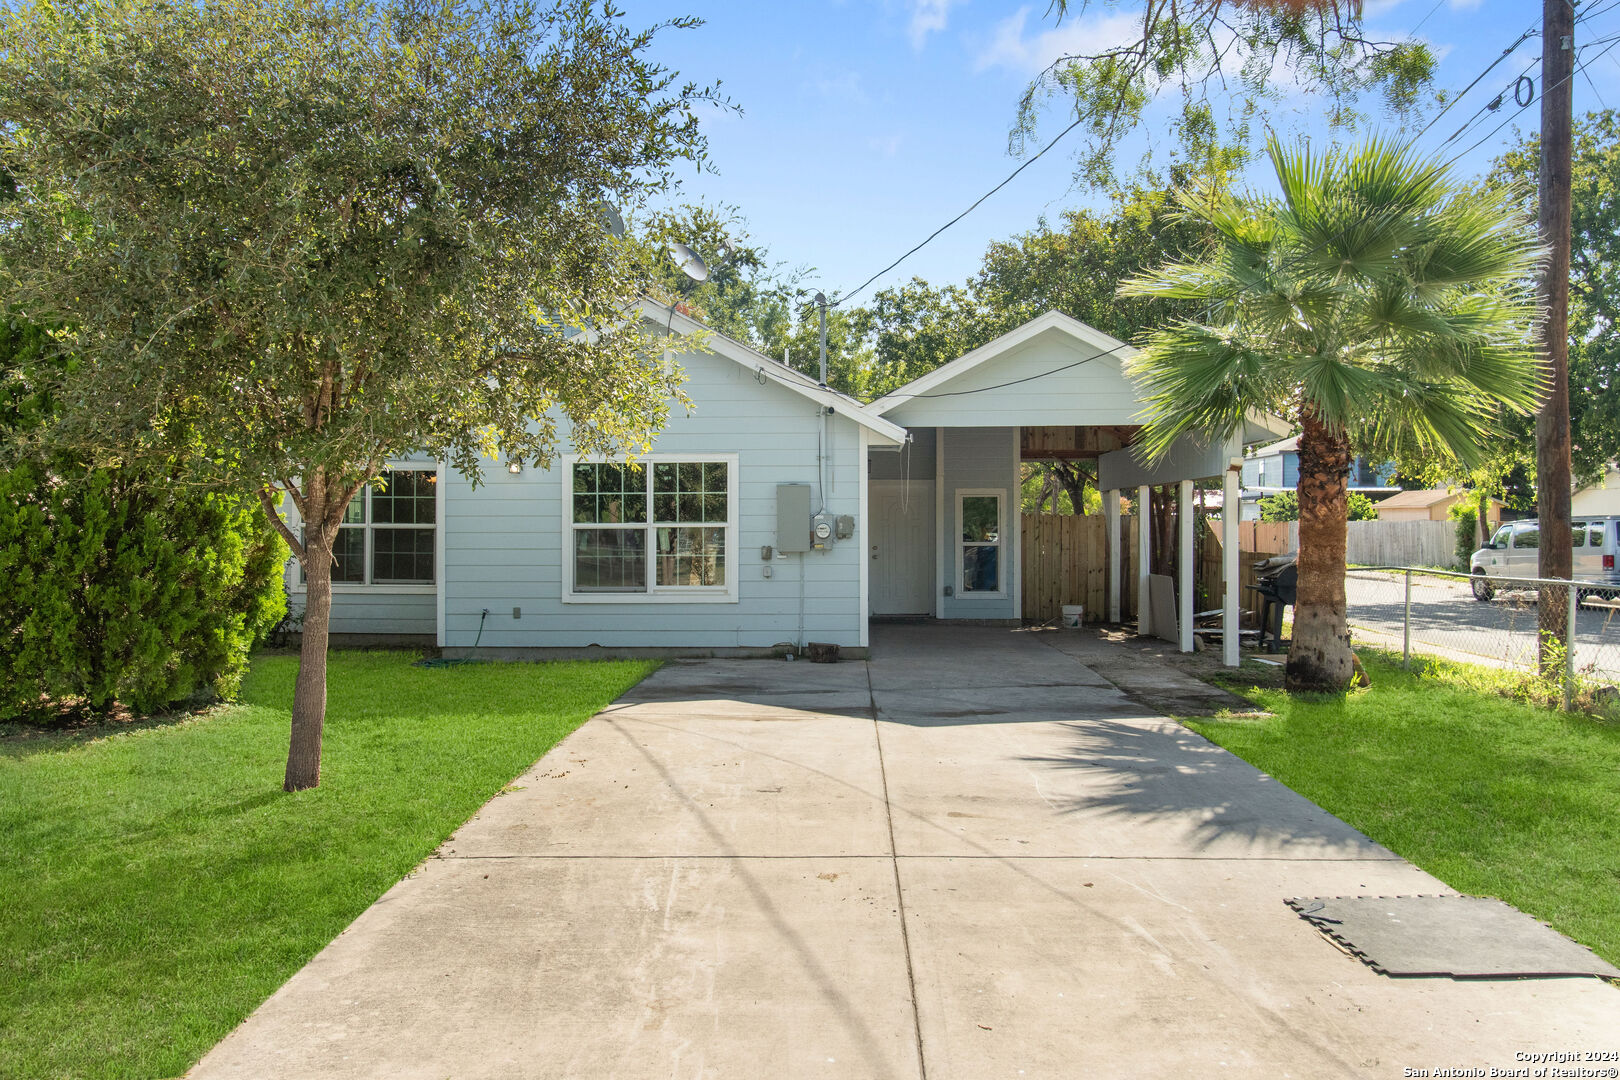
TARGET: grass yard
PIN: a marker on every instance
(1493, 796)
(158, 884)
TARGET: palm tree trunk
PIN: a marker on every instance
(1320, 657)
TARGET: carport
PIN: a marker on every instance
(943, 508)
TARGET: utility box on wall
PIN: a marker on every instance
(793, 517)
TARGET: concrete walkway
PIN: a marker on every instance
(971, 857)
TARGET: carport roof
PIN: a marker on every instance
(1044, 372)
(1098, 344)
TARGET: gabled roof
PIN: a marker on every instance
(1258, 426)
(1052, 320)
(1417, 499)
(758, 363)
(1287, 446)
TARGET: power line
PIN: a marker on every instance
(1526, 36)
(1015, 382)
(1580, 65)
(1492, 105)
(1042, 152)
(1037, 156)
(1413, 32)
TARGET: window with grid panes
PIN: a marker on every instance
(393, 521)
(640, 527)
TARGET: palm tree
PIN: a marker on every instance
(1376, 303)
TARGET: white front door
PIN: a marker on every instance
(902, 547)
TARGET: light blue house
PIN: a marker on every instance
(774, 513)
(1274, 468)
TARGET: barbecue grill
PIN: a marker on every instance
(1277, 586)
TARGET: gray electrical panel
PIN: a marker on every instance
(792, 517)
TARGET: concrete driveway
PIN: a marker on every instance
(970, 857)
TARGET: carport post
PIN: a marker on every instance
(1111, 519)
(1231, 511)
(1144, 559)
(1184, 525)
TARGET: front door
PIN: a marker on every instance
(901, 547)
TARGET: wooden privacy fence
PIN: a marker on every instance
(1065, 561)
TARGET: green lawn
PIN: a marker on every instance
(1492, 796)
(156, 884)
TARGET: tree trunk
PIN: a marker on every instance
(1164, 532)
(322, 513)
(1319, 657)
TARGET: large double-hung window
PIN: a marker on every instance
(662, 528)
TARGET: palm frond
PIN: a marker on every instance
(1373, 288)
(1197, 378)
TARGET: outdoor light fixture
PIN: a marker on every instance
(514, 467)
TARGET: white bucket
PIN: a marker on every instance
(1073, 616)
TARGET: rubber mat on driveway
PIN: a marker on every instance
(1464, 937)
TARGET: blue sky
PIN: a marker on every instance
(867, 124)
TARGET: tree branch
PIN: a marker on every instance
(278, 524)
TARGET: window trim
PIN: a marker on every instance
(655, 594)
(957, 543)
(300, 587)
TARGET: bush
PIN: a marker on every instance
(125, 586)
(1466, 516)
(1360, 508)
(1283, 506)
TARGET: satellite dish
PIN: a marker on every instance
(728, 251)
(687, 259)
(611, 219)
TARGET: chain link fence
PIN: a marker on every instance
(1495, 622)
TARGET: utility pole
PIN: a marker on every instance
(1552, 422)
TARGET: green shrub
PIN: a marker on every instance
(1283, 506)
(1360, 508)
(1463, 513)
(128, 587)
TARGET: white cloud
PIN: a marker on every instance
(1012, 47)
(884, 145)
(927, 17)
(840, 86)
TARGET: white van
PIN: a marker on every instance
(1514, 550)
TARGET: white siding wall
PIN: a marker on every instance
(978, 458)
(504, 542)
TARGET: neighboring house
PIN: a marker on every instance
(1275, 468)
(709, 543)
(1432, 504)
(1602, 497)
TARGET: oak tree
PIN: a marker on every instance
(288, 240)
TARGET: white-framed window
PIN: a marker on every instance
(389, 531)
(661, 529)
(981, 569)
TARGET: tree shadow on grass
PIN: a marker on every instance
(67, 727)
